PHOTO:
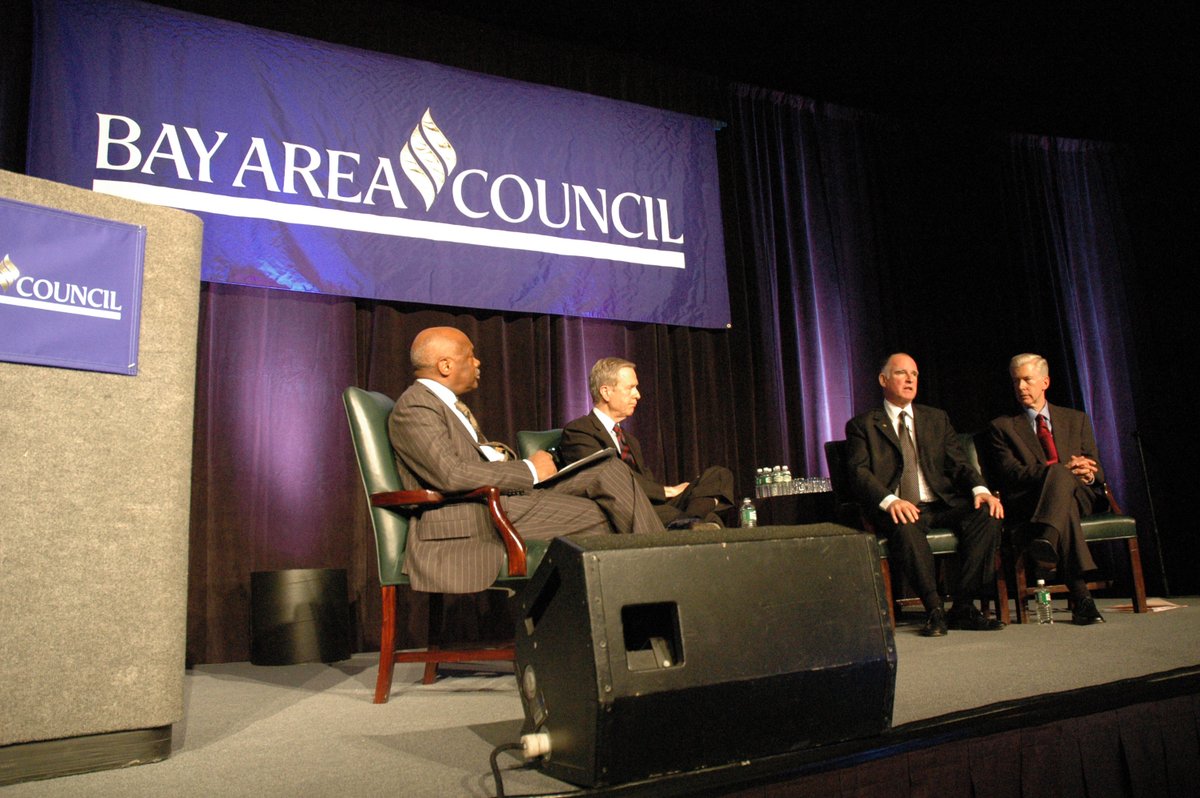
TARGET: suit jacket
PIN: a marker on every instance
(586, 434)
(874, 460)
(435, 451)
(1016, 458)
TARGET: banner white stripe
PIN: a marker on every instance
(250, 208)
(57, 308)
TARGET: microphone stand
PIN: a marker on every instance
(1162, 568)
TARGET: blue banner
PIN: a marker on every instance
(70, 289)
(328, 169)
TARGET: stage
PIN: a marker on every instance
(1111, 709)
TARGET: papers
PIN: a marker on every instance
(567, 470)
(1152, 605)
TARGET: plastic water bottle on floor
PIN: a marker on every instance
(1042, 598)
(747, 515)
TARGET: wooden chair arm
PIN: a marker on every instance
(514, 544)
(865, 519)
(1112, 500)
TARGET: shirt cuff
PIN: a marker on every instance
(888, 501)
(532, 470)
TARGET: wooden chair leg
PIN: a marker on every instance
(436, 620)
(1002, 591)
(1021, 587)
(387, 646)
(430, 674)
(1135, 569)
(886, 570)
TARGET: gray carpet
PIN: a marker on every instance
(311, 730)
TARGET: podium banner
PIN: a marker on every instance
(70, 289)
(328, 169)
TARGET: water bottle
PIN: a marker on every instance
(760, 482)
(747, 515)
(1042, 598)
(776, 480)
(788, 485)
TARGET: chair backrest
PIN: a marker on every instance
(530, 441)
(968, 444)
(839, 480)
(367, 412)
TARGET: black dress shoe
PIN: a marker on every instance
(935, 624)
(970, 618)
(1084, 613)
(1043, 553)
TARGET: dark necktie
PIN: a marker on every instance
(482, 441)
(626, 455)
(910, 486)
(1047, 440)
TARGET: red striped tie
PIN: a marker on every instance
(1047, 440)
(626, 455)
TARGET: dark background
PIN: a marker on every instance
(953, 73)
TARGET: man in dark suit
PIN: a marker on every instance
(614, 386)
(438, 446)
(910, 473)
(1045, 458)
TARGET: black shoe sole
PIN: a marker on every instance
(1042, 553)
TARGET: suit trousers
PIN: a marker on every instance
(599, 498)
(978, 540)
(1056, 516)
(703, 498)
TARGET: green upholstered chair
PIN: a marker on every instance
(941, 541)
(530, 441)
(367, 412)
(1099, 528)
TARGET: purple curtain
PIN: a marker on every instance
(847, 234)
(1075, 255)
(275, 484)
(804, 191)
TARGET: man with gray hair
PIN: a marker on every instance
(1050, 476)
(614, 385)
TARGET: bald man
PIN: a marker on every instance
(910, 473)
(439, 446)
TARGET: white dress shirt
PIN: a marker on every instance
(447, 396)
(893, 413)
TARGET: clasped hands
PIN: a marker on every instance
(1084, 468)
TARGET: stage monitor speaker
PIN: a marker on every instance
(640, 655)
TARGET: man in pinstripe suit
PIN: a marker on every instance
(438, 446)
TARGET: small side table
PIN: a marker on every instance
(299, 615)
(796, 508)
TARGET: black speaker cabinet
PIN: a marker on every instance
(641, 655)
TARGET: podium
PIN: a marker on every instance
(94, 517)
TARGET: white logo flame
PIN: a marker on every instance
(8, 272)
(428, 159)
